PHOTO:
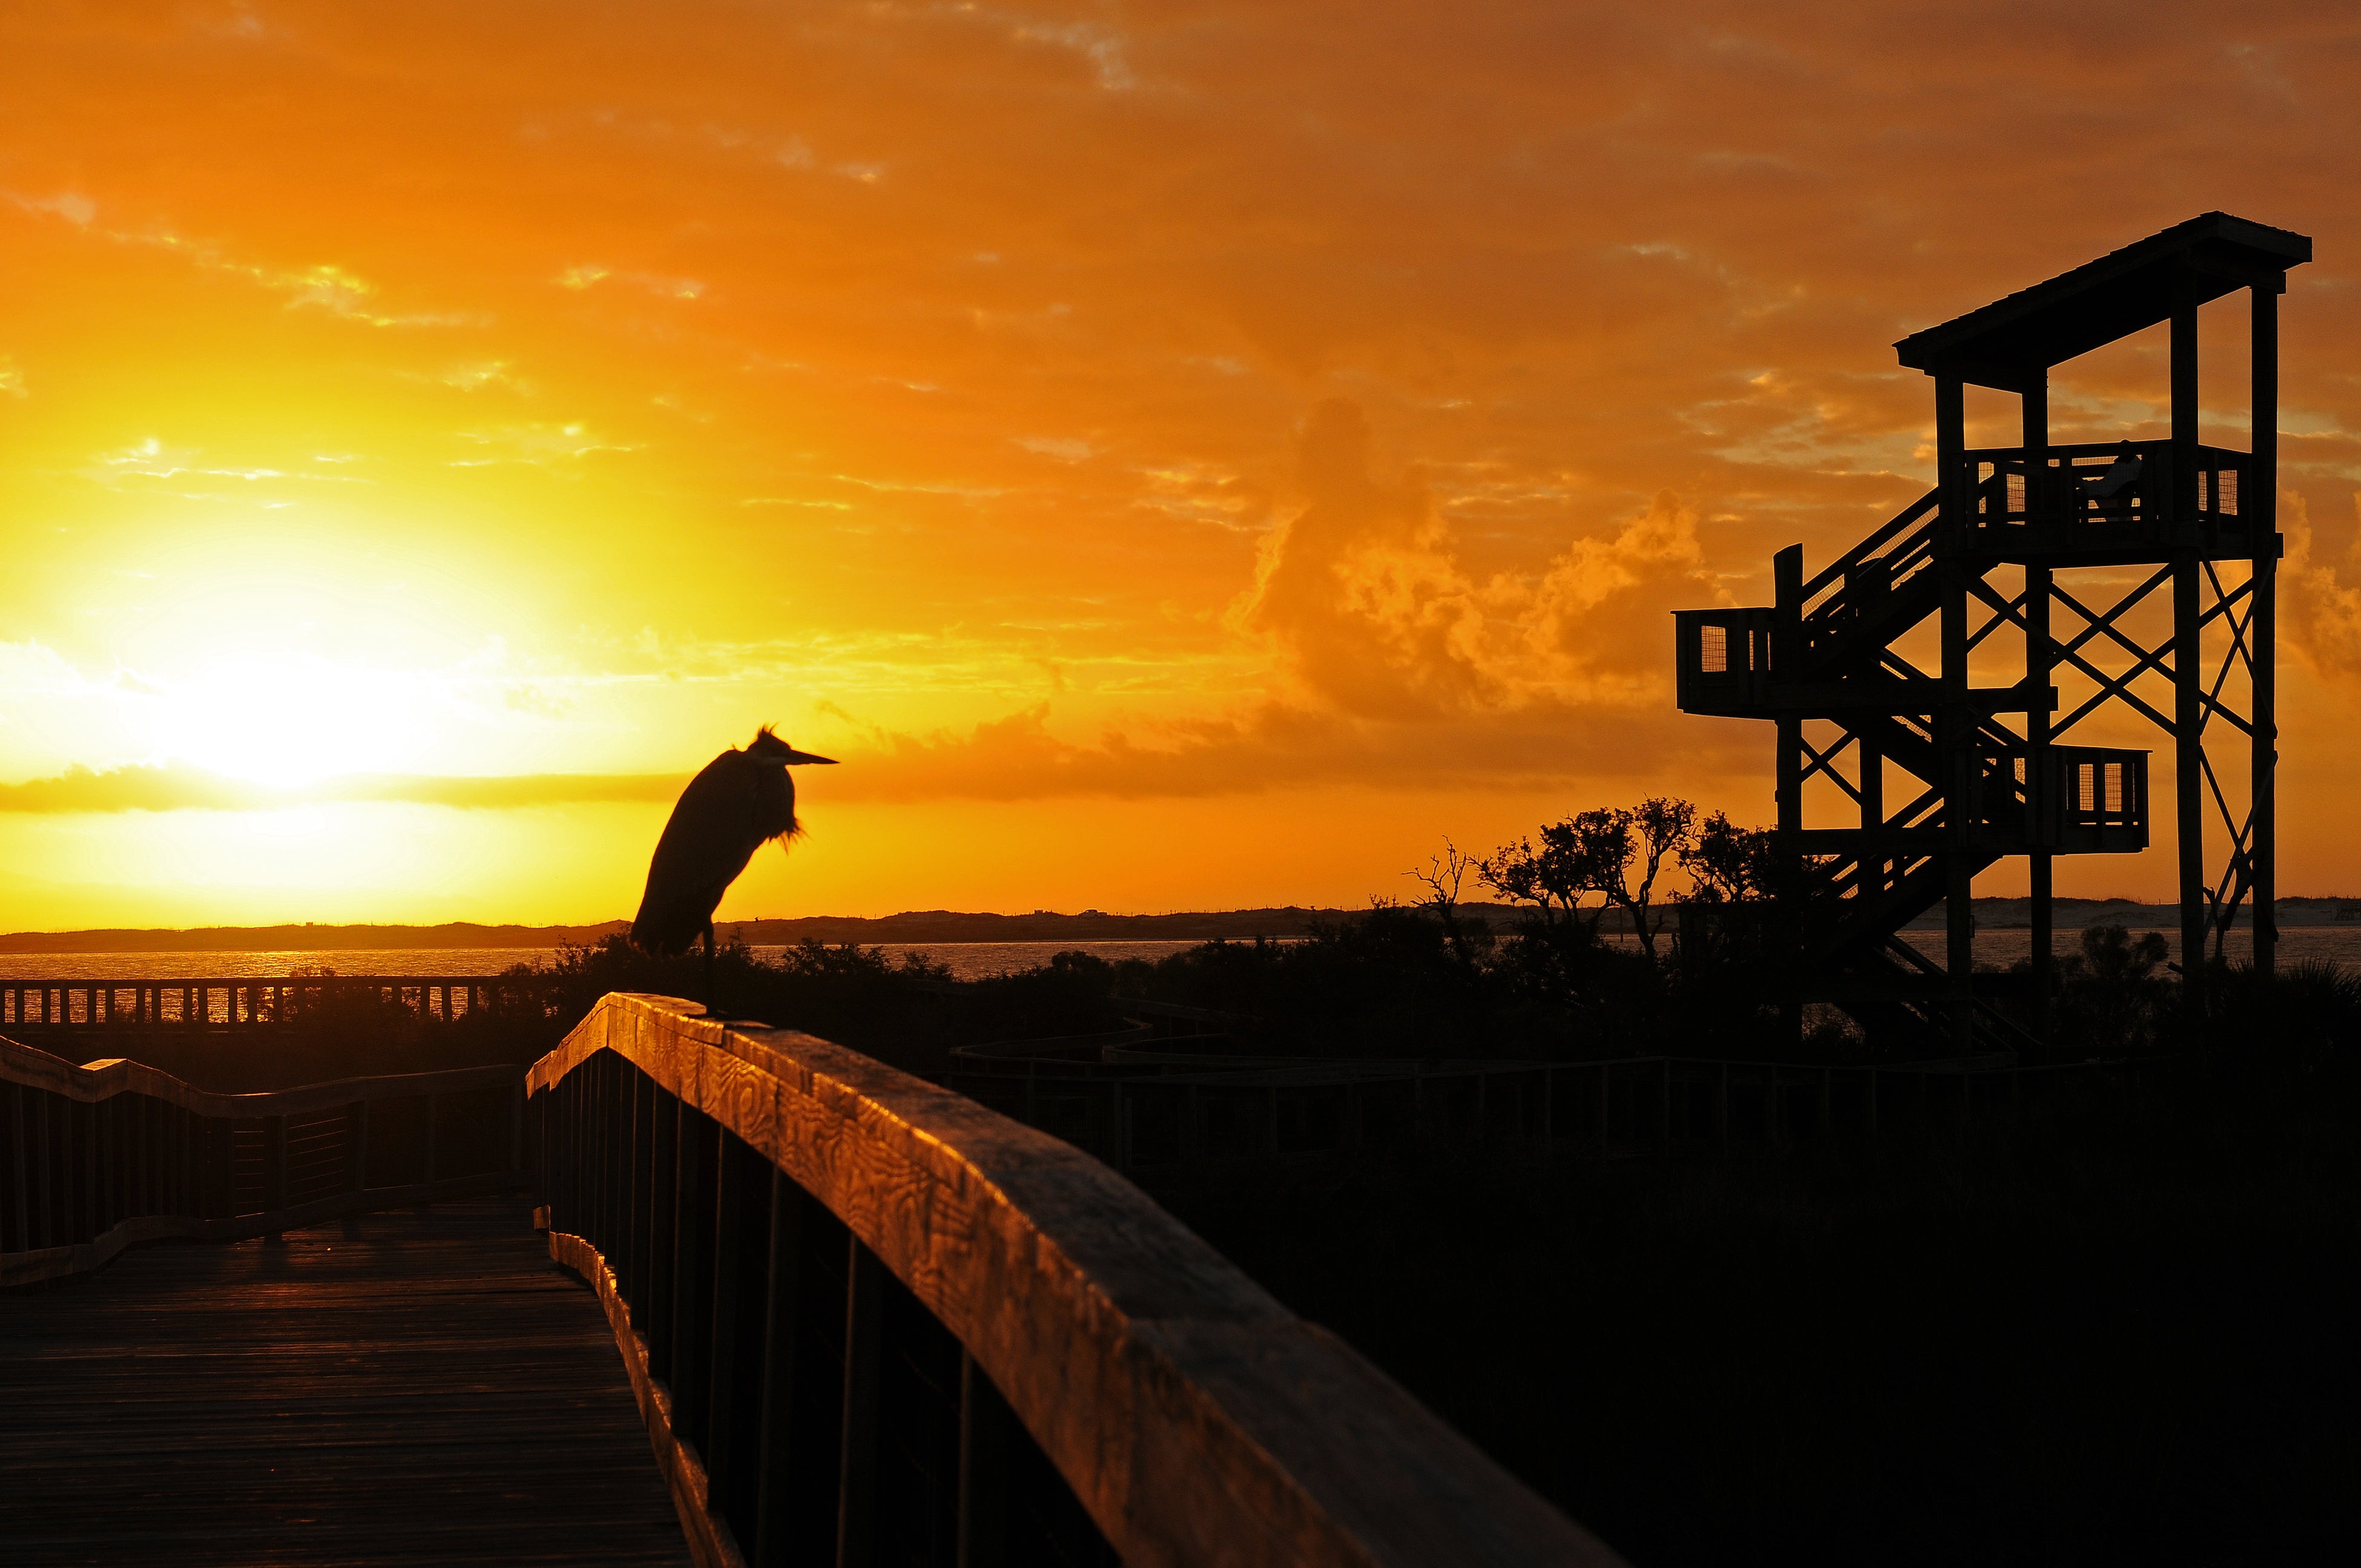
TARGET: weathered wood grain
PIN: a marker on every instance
(1197, 1420)
(420, 1386)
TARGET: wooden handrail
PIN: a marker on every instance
(1194, 1418)
(100, 1157)
(96, 1081)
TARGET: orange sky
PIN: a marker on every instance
(1175, 455)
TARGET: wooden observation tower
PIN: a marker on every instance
(1941, 690)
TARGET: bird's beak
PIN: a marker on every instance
(794, 756)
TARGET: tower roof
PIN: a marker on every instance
(2011, 343)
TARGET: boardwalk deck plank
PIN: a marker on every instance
(408, 1387)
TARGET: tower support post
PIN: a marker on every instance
(2260, 500)
(2188, 690)
(2039, 658)
(1955, 725)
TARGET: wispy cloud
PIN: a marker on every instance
(537, 444)
(1064, 448)
(323, 286)
(481, 374)
(586, 276)
(71, 205)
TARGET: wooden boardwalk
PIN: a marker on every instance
(421, 1386)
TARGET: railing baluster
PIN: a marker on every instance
(620, 1074)
(794, 1447)
(664, 1178)
(692, 1325)
(357, 1144)
(984, 1426)
(274, 1166)
(722, 1408)
(49, 1196)
(20, 1175)
(639, 1249)
(86, 1213)
(856, 1494)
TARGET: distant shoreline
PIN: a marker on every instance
(916, 925)
(931, 925)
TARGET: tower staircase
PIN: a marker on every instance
(1839, 662)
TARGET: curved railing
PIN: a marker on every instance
(871, 1319)
(97, 1157)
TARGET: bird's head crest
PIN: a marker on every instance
(767, 745)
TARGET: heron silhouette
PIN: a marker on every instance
(740, 802)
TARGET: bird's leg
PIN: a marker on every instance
(712, 1008)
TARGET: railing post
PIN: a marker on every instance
(664, 1231)
(87, 1216)
(1722, 1111)
(1665, 1112)
(274, 1165)
(617, 1198)
(692, 1324)
(20, 1209)
(984, 1420)
(636, 1266)
(106, 1153)
(734, 1420)
(1599, 1111)
(856, 1493)
(44, 1177)
(356, 1142)
(799, 1469)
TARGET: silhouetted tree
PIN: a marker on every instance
(1582, 855)
(1444, 876)
(1660, 825)
(1730, 864)
(2112, 994)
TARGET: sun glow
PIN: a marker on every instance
(293, 721)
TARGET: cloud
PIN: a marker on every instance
(537, 444)
(1274, 746)
(1363, 590)
(71, 205)
(12, 380)
(476, 376)
(1415, 386)
(1360, 590)
(324, 286)
(1065, 449)
(580, 278)
(2320, 615)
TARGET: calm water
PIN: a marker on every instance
(2004, 948)
(968, 960)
